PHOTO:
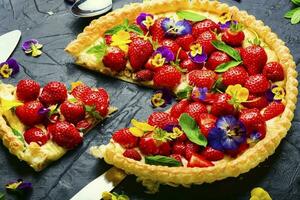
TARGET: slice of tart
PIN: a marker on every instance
(39, 125)
(236, 78)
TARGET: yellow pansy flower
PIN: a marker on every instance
(196, 49)
(278, 92)
(158, 60)
(225, 17)
(238, 92)
(260, 194)
(75, 84)
(121, 39)
(9, 104)
(6, 71)
(140, 128)
(148, 22)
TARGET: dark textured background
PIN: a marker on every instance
(280, 174)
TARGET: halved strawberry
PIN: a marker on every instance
(212, 154)
(125, 138)
(197, 160)
(257, 84)
(235, 75)
(190, 149)
(205, 25)
(167, 77)
(221, 105)
(274, 109)
(149, 146)
(133, 154)
(202, 78)
(258, 102)
(178, 108)
(179, 148)
(217, 58)
(161, 119)
(177, 157)
(195, 109)
(206, 122)
(28, 90)
(273, 71)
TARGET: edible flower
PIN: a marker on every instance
(163, 135)
(176, 28)
(43, 111)
(259, 193)
(9, 68)
(19, 186)
(9, 104)
(32, 46)
(145, 20)
(199, 93)
(228, 134)
(114, 196)
(121, 39)
(75, 84)
(275, 93)
(238, 93)
(225, 17)
(161, 98)
(161, 56)
(197, 54)
(140, 128)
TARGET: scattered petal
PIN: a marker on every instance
(161, 98)
(32, 46)
(9, 68)
(19, 186)
(260, 193)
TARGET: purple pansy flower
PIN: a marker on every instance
(197, 53)
(145, 20)
(169, 127)
(166, 53)
(228, 134)
(9, 68)
(19, 186)
(176, 28)
(199, 93)
(275, 93)
(227, 24)
(161, 98)
(43, 111)
(32, 46)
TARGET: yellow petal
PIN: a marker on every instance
(136, 131)
(9, 104)
(142, 125)
(260, 193)
(75, 84)
(242, 95)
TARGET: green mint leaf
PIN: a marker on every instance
(2, 196)
(88, 108)
(126, 23)
(191, 16)
(290, 13)
(18, 135)
(191, 129)
(184, 93)
(297, 2)
(114, 30)
(98, 50)
(218, 86)
(226, 66)
(162, 160)
(227, 49)
(135, 29)
(73, 100)
(296, 17)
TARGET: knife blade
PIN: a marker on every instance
(103, 183)
(8, 43)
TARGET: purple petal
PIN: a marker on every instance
(141, 18)
(183, 27)
(214, 138)
(199, 58)
(167, 24)
(43, 111)
(25, 186)
(203, 92)
(229, 144)
(166, 53)
(26, 46)
(13, 64)
(169, 127)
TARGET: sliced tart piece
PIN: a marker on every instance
(39, 125)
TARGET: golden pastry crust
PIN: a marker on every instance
(276, 128)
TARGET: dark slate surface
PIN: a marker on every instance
(280, 174)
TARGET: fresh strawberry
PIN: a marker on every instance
(182, 138)
(178, 108)
(133, 154)
(258, 102)
(235, 75)
(84, 125)
(161, 119)
(157, 31)
(98, 99)
(81, 91)
(139, 52)
(166, 77)
(257, 84)
(205, 40)
(108, 39)
(179, 148)
(190, 149)
(144, 75)
(197, 160)
(185, 41)
(250, 117)
(205, 25)
(115, 59)
(65, 134)
(195, 109)
(175, 48)
(212, 154)
(36, 135)
(254, 58)
(177, 157)
(202, 78)
(234, 39)
(189, 65)
(206, 122)
(217, 58)
(125, 138)
(259, 130)
(53, 93)
(28, 113)
(73, 112)
(221, 106)
(164, 149)
(148, 145)
(273, 71)
(274, 109)
(234, 153)
(28, 90)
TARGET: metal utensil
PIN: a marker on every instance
(105, 182)
(91, 8)
(8, 43)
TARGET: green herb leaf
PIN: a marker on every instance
(191, 16)
(227, 49)
(98, 50)
(296, 17)
(93, 112)
(18, 134)
(73, 100)
(184, 93)
(191, 129)
(114, 30)
(135, 29)
(218, 86)
(297, 2)
(162, 160)
(126, 27)
(2, 196)
(290, 13)
(226, 66)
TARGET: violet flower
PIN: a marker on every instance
(176, 28)
(197, 53)
(161, 98)
(199, 93)
(145, 20)
(32, 46)
(275, 93)
(227, 24)
(19, 186)
(43, 111)
(9, 68)
(161, 56)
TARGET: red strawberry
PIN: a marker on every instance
(174, 47)
(190, 149)
(148, 145)
(234, 153)
(273, 110)
(139, 52)
(257, 84)
(205, 40)
(212, 154)
(185, 41)
(235, 75)
(177, 157)
(221, 106)
(157, 31)
(202, 78)
(258, 102)
(178, 108)
(108, 39)
(179, 148)
(133, 154)
(164, 149)
(72, 112)
(195, 109)
(161, 119)
(98, 99)
(36, 135)
(217, 58)
(205, 25)
(182, 138)
(84, 125)
(233, 38)
(81, 91)
(189, 65)
(144, 75)
(254, 58)
(198, 161)
(115, 59)
(250, 117)
(273, 71)
(167, 77)
(28, 90)
(65, 134)
(260, 128)
(125, 138)
(28, 113)
(53, 93)
(206, 122)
